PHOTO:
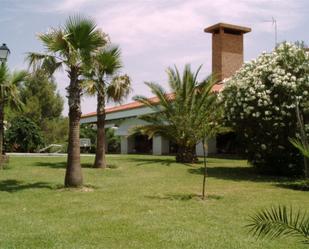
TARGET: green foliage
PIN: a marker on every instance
(301, 142)
(102, 76)
(10, 85)
(113, 141)
(280, 222)
(70, 46)
(41, 98)
(23, 135)
(55, 130)
(43, 105)
(182, 115)
(302, 185)
(88, 131)
(260, 102)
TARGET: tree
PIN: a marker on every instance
(23, 135)
(102, 83)
(41, 101)
(280, 222)
(179, 116)
(212, 125)
(55, 130)
(42, 104)
(9, 94)
(71, 46)
(259, 103)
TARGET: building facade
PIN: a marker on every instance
(227, 58)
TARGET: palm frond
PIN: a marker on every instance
(54, 41)
(184, 117)
(280, 221)
(119, 88)
(83, 34)
(300, 145)
(48, 63)
(18, 77)
(108, 60)
(90, 87)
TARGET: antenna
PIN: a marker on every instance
(274, 23)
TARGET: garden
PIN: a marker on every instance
(143, 201)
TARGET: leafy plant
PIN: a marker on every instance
(24, 135)
(280, 221)
(180, 115)
(9, 94)
(301, 142)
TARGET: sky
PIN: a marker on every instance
(153, 34)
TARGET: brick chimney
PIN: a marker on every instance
(227, 49)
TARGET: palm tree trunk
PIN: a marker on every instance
(73, 176)
(186, 154)
(100, 160)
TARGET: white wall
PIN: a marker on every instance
(211, 147)
(160, 145)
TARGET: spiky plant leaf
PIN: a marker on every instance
(280, 221)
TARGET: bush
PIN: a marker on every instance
(23, 135)
(302, 185)
(260, 101)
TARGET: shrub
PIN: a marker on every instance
(260, 101)
(23, 135)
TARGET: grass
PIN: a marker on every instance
(141, 202)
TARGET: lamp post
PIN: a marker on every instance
(4, 53)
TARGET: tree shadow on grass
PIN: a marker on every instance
(155, 160)
(12, 185)
(62, 165)
(183, 197)
(236, 173)
(300, 185)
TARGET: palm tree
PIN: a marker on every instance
(9, 94)
(179, 116)
(71, 46)
(102, 83)
(301, 142)
(280, 222)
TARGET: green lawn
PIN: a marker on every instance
(143, 202)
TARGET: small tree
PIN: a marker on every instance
(210, 128)
(9, 94)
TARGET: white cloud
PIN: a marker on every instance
(159, 33)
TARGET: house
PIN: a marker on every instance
(227, 58)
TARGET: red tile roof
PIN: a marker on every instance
(133, 105)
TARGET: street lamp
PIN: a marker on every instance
(4, 52)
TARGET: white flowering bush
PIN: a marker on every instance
(260, 101)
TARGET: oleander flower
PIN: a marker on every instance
(260, 101)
